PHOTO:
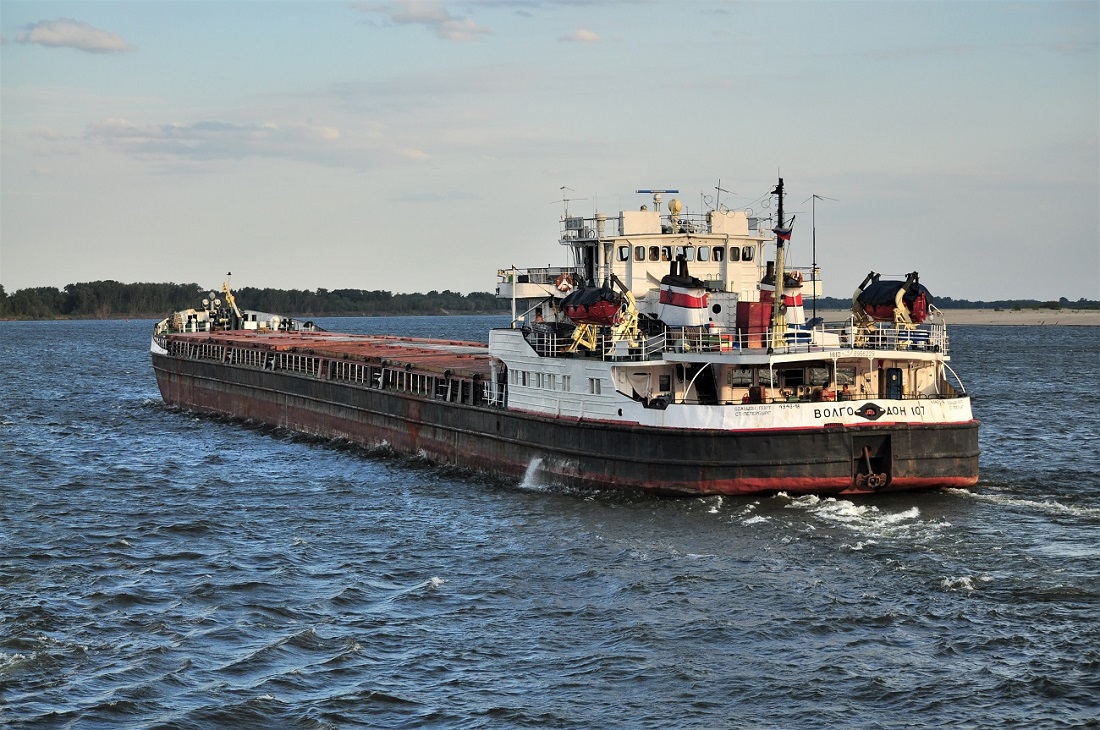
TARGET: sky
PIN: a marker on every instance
(417, 146)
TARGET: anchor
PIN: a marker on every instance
(870, 480)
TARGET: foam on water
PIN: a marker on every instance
(866, 519)
(1032, 505)
(9, 661)
(964, 583)
(530, 477)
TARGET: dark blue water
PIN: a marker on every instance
(163, 570)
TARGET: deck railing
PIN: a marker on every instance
(832, 337)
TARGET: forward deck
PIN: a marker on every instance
(441, 369)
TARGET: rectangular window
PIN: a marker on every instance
(594, 386)
(639, 253)
(719, 253)
(739, 376)
(654, 253)
(746, 253)
(704, 253)
(845, 376)
(792, 377)
(624, 253)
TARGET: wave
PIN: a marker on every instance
(866, 519)
(1031, 505)
(965, 583)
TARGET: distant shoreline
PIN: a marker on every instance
(1014, 317)
(296, 315)
(1017, 317)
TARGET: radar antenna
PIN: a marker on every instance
(657, 196)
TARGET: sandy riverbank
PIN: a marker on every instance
(1072, 317)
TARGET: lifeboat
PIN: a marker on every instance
(881, 299)
(683, 301)
(594, 305)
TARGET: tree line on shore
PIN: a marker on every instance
(949, 303)
(112, 299)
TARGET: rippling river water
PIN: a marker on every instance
(163, 570)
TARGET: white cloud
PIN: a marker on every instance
(69, 33)
(216, 140)
(460, 29)
(580, 35)
(432, 15)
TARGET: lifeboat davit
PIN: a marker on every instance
(683, 300)
(880, 299)
(594, 305)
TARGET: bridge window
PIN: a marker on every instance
(739, 376)
(735, 253)
(639, 253)
(704, 253)
(654, 253)
(688, 252)
(746, 253)
(792, 377)
(666, 253)
(624, 253)
(719, 253)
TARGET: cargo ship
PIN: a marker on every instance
(671, 354)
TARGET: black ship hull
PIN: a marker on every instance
(872, 458)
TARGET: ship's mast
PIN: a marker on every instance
(779, 316)
(813, 222)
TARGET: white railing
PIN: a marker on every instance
(832, 337)
(544, 275)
